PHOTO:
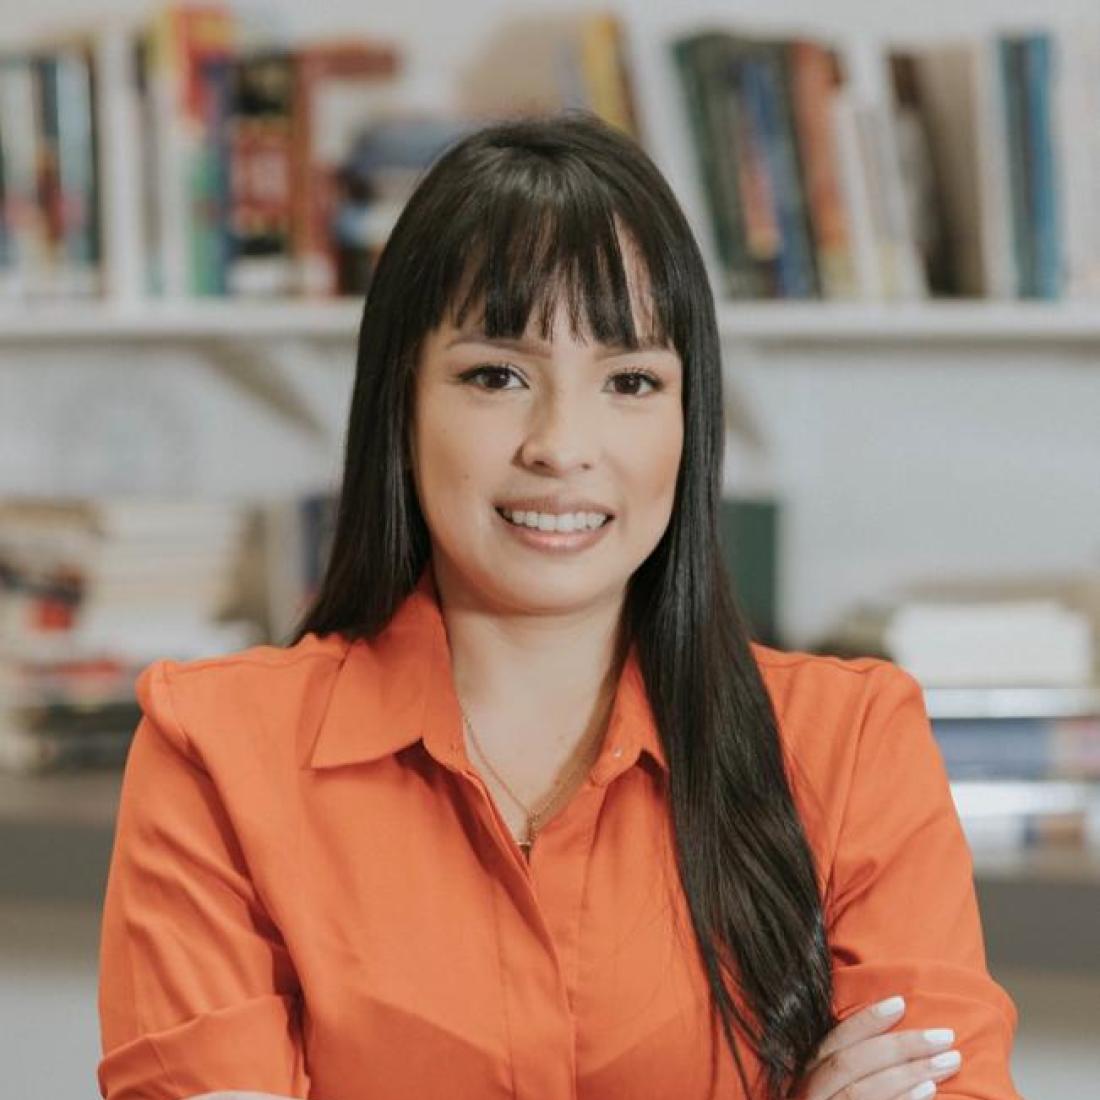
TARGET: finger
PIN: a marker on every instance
(872, 1020)
(846, 1072)
(916, 1080)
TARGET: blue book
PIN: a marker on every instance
(1018, 155)
(1003, 748)
(1043, 190)
(762, 96)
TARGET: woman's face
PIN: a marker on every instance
(496, 422)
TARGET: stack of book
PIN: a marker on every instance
(91, 591)
(1012, 692)
(959, 168)
(1024, 763)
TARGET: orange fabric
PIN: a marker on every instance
(311, 893)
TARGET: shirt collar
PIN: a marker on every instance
(398, 689)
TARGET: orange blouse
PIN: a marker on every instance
(312, 894)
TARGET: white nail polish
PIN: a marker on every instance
(890, 1007)
(939, 1036)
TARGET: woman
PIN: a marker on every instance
(521, 810)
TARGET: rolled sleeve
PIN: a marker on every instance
(197, 992)
(902, 910)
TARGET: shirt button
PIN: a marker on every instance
(617, 752)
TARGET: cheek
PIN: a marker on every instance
(655, 465)
(458, 457)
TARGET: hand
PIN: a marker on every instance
(857, 1062)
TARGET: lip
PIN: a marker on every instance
(555, 506)
(555, 542)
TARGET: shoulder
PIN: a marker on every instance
(246, 697)
(800, 682)
(834, 713)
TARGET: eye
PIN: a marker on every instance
(494, 376)
(494, 371)
(636, 376)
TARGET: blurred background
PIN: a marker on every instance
(899, 211)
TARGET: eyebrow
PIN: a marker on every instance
(540, 347)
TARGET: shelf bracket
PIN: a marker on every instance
(268, 371)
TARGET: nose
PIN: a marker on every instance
(563, 433)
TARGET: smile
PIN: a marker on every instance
(557, 541)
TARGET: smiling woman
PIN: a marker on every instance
(521, 809)
(564, 428)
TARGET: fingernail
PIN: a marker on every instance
(939, 1036)
(890, 1007)
(923, 1090)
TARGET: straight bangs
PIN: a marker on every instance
(551, 232)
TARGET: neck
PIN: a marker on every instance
(533, 685)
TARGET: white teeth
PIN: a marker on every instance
(545, 521)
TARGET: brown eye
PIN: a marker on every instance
(635, 378)
(495, 372)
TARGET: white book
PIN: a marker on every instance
(1076, 102)
(998, 253)
(118, 119)
(906, 277)
(170, 182)
(855, 194)
(1020, 643)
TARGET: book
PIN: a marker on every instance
(181, 40)
(261, 152)
(339, 88)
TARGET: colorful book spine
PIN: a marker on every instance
(768, 106)
(26, 230)
(185, 38)
(210, 192)
(337, 90)
(705, 64)
(815, 77)
(261, 154)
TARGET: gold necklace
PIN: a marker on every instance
(540, 808)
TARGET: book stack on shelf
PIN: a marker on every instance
(1012, 689)
(171, 160)
(91, 591)
(957, 169)
(187, 157)
(1023, 762)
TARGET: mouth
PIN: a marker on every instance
(573, 526)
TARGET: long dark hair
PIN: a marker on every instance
(513, 216)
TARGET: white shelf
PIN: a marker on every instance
(942, 321)
(762, 323)
(216, 319)
(1004, 701)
